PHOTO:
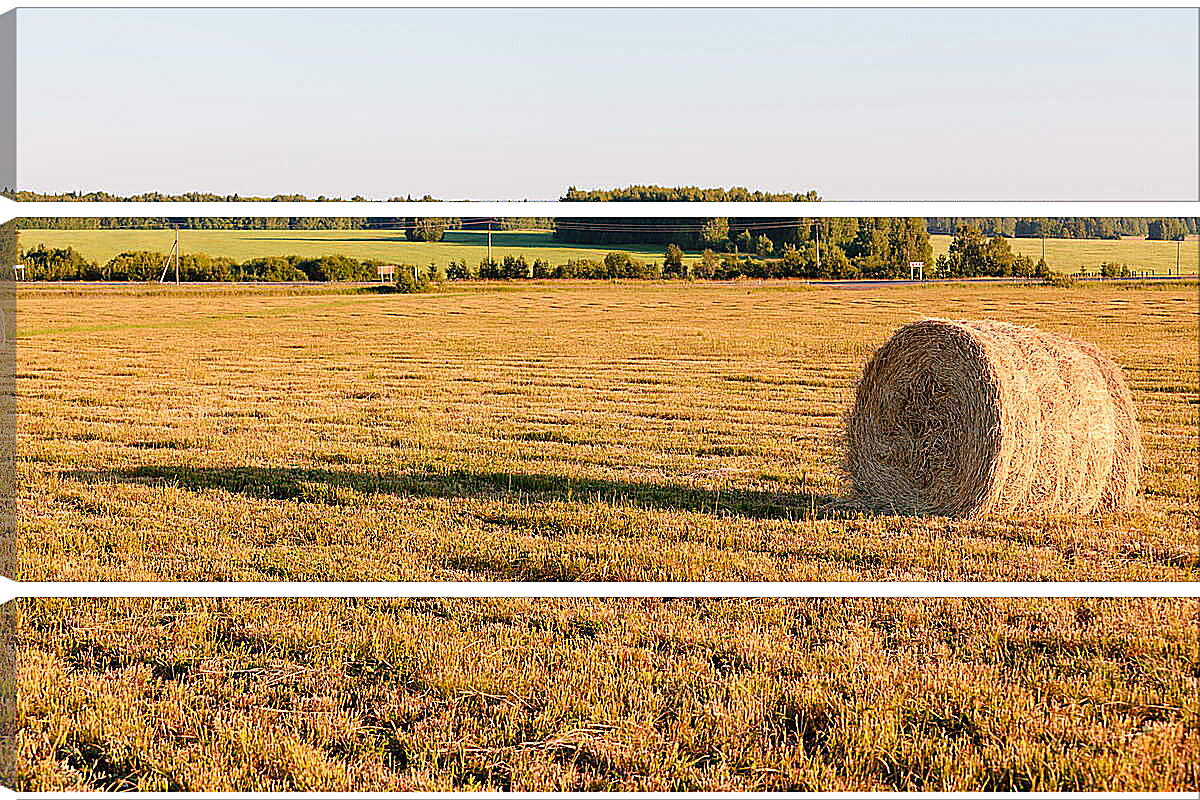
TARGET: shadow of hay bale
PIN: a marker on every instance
(325, 486)
(969, 419)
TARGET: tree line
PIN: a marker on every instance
(1070, 227)
(878, 247)
(718, 234)
(188, 197)
(685, 231)
(875, 248)
(67, 264)
(627, 193)
(235, 223)
(425, 229)
(685, 194)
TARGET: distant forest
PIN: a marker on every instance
(187, 197)
(628, 193)
(725, 235)
(282, 223)
(685, 194)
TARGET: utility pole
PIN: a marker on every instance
(1178, 244)
(173, 258)
(818, 246)
(489, 241)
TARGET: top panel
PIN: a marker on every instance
(854, 104)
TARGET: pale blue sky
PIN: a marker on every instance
(860, 104)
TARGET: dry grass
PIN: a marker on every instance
(941, 695)
(540, 432)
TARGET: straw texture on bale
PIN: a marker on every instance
(967, 419)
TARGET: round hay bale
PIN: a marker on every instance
(967, 419)
(1125, 478)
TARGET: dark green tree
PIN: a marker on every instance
(426, 229)
(714, 232)
(1169, 230)
(706, 267)
(745, 241)
(57, 264)
(673, 260)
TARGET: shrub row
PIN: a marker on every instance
(971, 255)
(613, 265)
(66, 264)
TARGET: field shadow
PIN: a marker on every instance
(327, 486)
(502, 239)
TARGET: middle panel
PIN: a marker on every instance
(635, 400)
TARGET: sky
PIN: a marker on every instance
(502, 104)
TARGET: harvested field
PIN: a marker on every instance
(540, 432)
(373, 695)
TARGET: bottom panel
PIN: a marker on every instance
(318, 694)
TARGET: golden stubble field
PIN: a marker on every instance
(538, 432)
(543, 695)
